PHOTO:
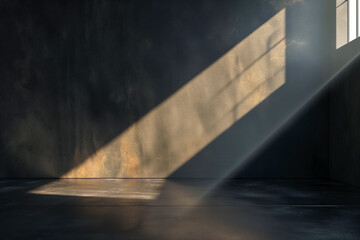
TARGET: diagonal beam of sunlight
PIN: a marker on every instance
(195, 115)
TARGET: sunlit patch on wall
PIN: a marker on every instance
(347, 21)
(195, 115)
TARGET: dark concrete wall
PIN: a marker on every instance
(344, 115)
(76, 75)
(299, 150)
(344, 125)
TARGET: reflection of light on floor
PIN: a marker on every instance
(232, 212)
(146, 189)
(197, 113)
(240, 209)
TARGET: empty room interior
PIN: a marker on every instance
(207, 119)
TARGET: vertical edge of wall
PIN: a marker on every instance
(344, 126)
(344, 103)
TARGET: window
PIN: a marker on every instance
(347, 21)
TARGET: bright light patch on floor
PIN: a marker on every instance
(146, 189)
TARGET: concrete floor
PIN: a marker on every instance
(178, 209)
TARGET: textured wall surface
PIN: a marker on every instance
(344, 115)
(101, 88)
(300, 150)
(344, 125)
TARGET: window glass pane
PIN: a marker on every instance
(341, 23)
(352, 20)
(358, 18)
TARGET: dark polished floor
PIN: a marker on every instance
(178, 209)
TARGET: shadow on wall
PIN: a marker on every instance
(344, 126)
(92, 93)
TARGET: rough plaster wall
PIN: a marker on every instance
(77, 74)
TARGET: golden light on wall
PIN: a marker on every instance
(181, 126)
